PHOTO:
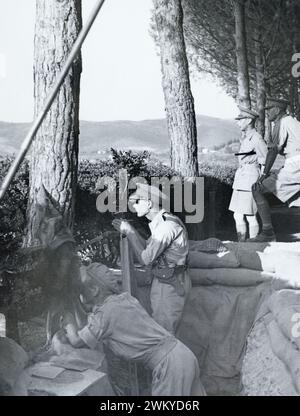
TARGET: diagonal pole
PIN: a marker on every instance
(40, 118)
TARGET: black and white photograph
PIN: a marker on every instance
(150, 200)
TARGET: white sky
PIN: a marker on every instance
(121, 77)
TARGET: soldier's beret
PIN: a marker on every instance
(102, 275)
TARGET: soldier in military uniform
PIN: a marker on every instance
(285, 182)
(166, 251)
(251, 156)
(122, 324)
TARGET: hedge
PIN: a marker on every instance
(88, 222)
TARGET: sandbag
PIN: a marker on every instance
(210, 245)
(198, 259)
(264, 247)
(228, 277)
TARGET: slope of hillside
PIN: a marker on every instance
(97, 137)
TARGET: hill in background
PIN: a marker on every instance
(96, 138)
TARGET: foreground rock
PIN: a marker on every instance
(13, 360)
(263, 373)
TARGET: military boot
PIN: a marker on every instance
(263, 237)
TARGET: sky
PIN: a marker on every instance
(121, 77)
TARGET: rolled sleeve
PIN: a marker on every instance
(93, 331)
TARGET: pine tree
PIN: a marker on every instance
(54, 154)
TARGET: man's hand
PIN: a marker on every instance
(68, 318)
(263, 177)
(123, 226)
(70, 328)
(258, 183)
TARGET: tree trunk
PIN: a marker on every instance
(54, 156)
(293, 13)
(260, 84)
(244, 99)
(176, 86)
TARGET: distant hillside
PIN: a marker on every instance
(96, 138)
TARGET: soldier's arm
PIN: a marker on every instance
(126, 228)
(157, 243)
(71, 331)
(270, 159)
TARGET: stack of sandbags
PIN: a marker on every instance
(243, 263)
(213, 262)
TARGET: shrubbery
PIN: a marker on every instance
(88, 222)
(13, 207)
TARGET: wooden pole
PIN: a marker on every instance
(130, 286)
(37, 123)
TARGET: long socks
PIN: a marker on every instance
(253, 226)
(241, 226)
(264, 211)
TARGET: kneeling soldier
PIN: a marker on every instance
(166, 251)
(123, 325)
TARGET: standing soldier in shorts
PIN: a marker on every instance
(284, 183)
(252, 156)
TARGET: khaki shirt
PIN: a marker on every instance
(124, 326)
(249, 170)
(167, 237)
(287, 137)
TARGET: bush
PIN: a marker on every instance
(217, 172)
(88, 222)
(13, 207)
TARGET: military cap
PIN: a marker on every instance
(276, 102)
(247, 113)
(148, 192)
(102, 275)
